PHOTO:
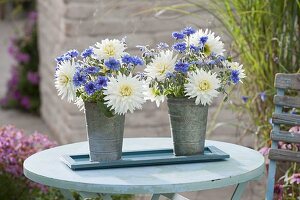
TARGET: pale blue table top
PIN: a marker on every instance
(244, 164)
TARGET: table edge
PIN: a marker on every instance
(146, 189)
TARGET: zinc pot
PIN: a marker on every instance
(188, 126)
(105, 134)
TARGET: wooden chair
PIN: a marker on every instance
(283, 82)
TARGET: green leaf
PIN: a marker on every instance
(106, 111)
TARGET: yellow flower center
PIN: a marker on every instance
(126, 90)
(207, 50)
(64, 79)
(110, 50)
(162, 68)
(204, 85)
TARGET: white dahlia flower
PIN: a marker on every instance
(124, 93)
(109, 49)
(212, 45)
(203, 86)
(161, 64)
(152, 95)
(64, 80)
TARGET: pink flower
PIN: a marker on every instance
(33, 78)
(264, 151)
(278, 191)
(15, 147)
(295, 129)
(25, 102)
(22, 57)
(295, 178)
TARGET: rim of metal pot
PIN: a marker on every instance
(182, 100)
(115, 115)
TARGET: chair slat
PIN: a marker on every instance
(285, 136)
(284, 155)
(288, 119)
(292, 102)
(288, 81)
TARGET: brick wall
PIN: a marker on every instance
(69, 24)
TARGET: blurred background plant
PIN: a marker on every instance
(13, 8)
(265, 37)
(15, 147)
(23, 86)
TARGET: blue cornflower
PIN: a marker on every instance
(194, 48)
(188, 31)
(221, 58)
(203, 40)
(63, 58)
(67, 57)
(91, 70)
(262, 96)
(245, 99)
(198, 62)
(181, 47)
(178, 35)
(127, 59)
(162, 45)
(79, 79)
(135, 60)
(73, 53)
(90, 88)
(235, 76)
(211, 62)
(87, 52)
(112, 64)
(182, 67)
(59, 59)
(170, 75)
(101, 82)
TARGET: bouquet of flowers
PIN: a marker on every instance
(102, 74)
(195, 67)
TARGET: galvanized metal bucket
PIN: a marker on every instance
(188, 126)
(105, 135)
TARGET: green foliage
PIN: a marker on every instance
(12, 188)
(265, 36)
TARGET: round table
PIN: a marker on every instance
(244, 165)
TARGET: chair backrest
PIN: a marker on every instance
(283, 83)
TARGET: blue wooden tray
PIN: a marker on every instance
(144, 158)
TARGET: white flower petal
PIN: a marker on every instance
(203, 86)
(213, 42)
(124, 94)
(163, 63)
(109, 48)
(64, 80)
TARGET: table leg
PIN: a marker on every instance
(239, 190)
(106, 197)
(155, 197)
(171, 196)
(88, 195)
(67, 194)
